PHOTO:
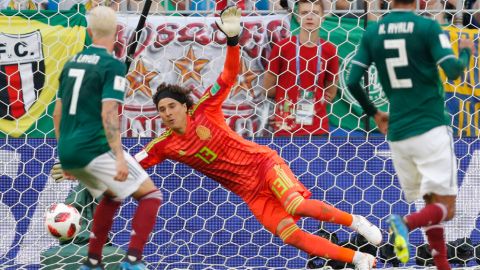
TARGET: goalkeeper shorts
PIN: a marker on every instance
(267, 205)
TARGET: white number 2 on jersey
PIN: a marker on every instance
(400, 61)
(78, 75)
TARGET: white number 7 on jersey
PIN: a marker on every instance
(78, 75)
(400, 61)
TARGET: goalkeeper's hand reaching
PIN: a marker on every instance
(58, 174)
(230, 24)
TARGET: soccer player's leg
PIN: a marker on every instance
(295, 199)
(139, 184)
(102, 217)
(271, 214)
(141, 187)
(426, 167)
(409, 178)
(149, 199)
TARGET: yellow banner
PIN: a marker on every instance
(470, 84)
(32, 54)
(462, 95)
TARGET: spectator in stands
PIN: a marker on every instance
(23, 4)
(471, 20)
(89, 4)
(301, 76)
(476, 15)
(433, 9)
(355, 8)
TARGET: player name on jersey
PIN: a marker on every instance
(396, 28)
(85, 58)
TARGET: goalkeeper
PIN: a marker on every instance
(198, 136)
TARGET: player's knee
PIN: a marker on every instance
(154, 195)
(286, 230)
(289, 234)
(292, 203)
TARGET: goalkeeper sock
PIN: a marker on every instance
(431, 214)
(102, 223)
(323, 212)
(436, 240)
(143, 222)
(315, 245)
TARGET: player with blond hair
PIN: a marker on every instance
(92, 85)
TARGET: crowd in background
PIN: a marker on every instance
(291, 97)
(442, 10)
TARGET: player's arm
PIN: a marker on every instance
(442, 53)
(230, 25)
(152, 154)
(331, 77)
(270, 79)
(360, 63)
(213, 98)
(330, 90)
(111, 125)
(112, 95)
(454, 67)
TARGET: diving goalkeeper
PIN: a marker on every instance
(198, 136)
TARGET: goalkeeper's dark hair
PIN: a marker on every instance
(405, 2)
(180, 94)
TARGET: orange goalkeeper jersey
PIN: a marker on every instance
(210, 146)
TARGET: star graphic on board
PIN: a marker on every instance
(245, 80)
(190, 66)
(140, 78)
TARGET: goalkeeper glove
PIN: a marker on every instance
(230, 24)
(57, 172)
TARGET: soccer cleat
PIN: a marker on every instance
(87, 265)
(129, 265)
(366, 262)
(371, 232)
(399, 231)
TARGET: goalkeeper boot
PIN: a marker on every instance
(364, 261)
(128, 264)
(371, 232)
(88, 265)
(399, 231)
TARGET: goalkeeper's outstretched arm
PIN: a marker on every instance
(230, 25)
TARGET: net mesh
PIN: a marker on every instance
(201, 225)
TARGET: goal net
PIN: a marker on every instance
(201, 225)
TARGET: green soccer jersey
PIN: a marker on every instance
(406, 50)
(88, 79)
